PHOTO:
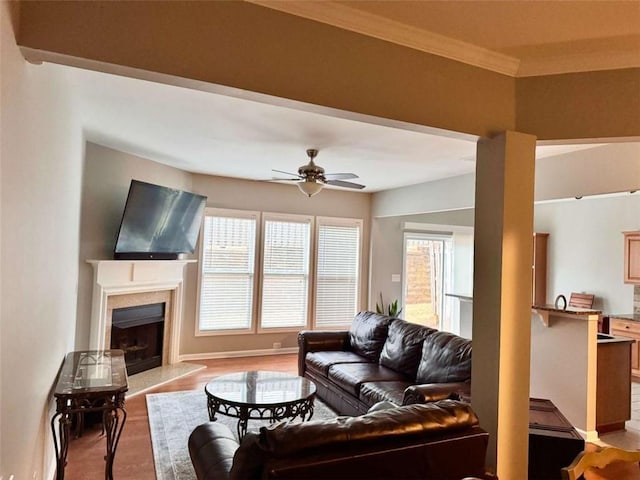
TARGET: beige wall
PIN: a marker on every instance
(41, 155)
(106, 181)
(258, 49)
(580, 105)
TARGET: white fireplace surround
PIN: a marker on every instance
(134, 277)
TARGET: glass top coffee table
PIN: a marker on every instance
(259, 395)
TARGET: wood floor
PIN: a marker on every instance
(134, 459)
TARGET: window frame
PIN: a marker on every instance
(229, 213)
(286, 217)
(340, 222)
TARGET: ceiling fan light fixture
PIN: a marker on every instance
(310, 188)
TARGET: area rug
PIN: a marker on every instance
(172, 418)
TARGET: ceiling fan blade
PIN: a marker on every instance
(340, 176)
(278, 179)
(340, 183)
(287, 173)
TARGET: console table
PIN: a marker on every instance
(90, 381)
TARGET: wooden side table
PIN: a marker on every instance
(90, 381)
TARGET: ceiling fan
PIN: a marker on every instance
(311, 177)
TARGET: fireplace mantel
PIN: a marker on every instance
(122, 277)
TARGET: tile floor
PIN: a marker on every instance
(629, 439)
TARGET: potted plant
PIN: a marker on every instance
(393, 309)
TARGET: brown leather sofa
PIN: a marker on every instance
(384, 359)
(439, 440)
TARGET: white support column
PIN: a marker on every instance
(503, 244)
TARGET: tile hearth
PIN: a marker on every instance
(143, 381)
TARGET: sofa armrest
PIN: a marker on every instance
(319, 341)
(432, 392)
(211, 448)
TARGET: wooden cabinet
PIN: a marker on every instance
(539, 269)
(632, 257)
(613, 388)
(631, 330)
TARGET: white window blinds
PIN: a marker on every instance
(285, 272)
(227, 276)
(338, 264)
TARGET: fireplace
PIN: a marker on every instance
(122, 284)
(139, 332)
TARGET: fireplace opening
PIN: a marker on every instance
(139, 332)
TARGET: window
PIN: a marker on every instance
(267, 272)
(427, 270)
(227, 271)
(285, 271)
(337, 271)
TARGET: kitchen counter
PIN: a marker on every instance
(571, 310)
(634, 317)
(606, 338)
(564, 362)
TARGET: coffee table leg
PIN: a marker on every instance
(243, 422)
(213, 406)
(306, 410)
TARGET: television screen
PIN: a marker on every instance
(158, 222)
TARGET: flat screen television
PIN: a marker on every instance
(158, 223)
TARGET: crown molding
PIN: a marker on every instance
(585, 62)
(382, 28)
(355, 20)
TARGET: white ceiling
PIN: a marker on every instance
(220, 135)
(229, 136)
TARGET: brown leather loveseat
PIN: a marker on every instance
(384, 359)
(439, 440)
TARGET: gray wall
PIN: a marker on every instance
(41, 154)
(105, 183)
(607, 168)
(106, 180)
(586, 249)
(387, 244)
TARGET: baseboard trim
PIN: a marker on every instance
(588, 435)
(187, 357)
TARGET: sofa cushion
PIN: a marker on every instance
(211, 448)
(321, 361)
(445, 358)
(288, 438)
(349, 376)
(368, 333)
(403, 348)
(374, 392)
